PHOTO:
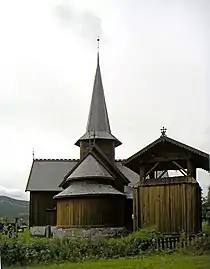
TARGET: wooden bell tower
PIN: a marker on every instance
(171, 204)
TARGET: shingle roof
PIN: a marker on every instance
(89, 167)
(128, 190)
(47, 174)
(132, 176)
(100, 135)
(202, 156)
(98, 121)
(84, 188)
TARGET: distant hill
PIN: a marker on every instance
(13, 208)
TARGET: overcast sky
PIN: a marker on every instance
(155, 63)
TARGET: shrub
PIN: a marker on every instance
(26, 250)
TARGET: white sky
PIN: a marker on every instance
(155, 62)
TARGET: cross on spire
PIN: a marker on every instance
(163, 131)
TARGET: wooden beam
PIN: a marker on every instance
(162, 173)
(181, 169)
(163, 159)
(152, 175)
(151, 170)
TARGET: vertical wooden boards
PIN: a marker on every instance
(135, 201)
(38, 204)
(171, 208)
(97, 211)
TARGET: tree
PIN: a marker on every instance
(206, 206)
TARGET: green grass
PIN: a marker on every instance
(174, 261)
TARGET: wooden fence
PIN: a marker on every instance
(172, 243)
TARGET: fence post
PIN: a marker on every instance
(48, 231)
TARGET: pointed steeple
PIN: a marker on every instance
(98, 121)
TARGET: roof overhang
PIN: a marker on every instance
(201, 159)
(87, 189)
(98, 135)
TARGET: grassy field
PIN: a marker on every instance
(150, 262)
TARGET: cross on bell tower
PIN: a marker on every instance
(163, 131)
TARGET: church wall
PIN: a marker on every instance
(128, 214)
(169, 208)
(99, 211)
(38, 204)
(107, 146)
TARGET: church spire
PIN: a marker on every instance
(98, 120)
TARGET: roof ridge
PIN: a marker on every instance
(56, 159)
(68, 159)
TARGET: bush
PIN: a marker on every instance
(26, 250)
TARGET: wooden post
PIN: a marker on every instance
(191, 170)
(48, 231)
(137, 207)
(134, 210)
(142, 173)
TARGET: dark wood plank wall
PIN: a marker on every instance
(169, 208)
(128, 214)
(107, 211)
(38, 205)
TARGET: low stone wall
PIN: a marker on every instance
(41, 230)
(90, 233)
(38, 231)
(80, 232)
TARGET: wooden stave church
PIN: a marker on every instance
(46, 175)
(49, 179)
